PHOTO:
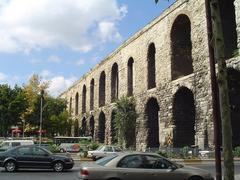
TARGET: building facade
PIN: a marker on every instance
(165, 67)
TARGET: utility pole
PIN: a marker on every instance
(40, 128)
(215, 99)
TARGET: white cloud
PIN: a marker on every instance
(59, 84)
(54, 59)
(46, 74)
(108, 32)
(80, 62)
(3, 76)
(28, 25)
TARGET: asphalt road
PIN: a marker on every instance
(73, 174)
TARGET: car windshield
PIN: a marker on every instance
(4, 144)
(99, 148)
(105, 160)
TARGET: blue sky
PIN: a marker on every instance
(60, 40)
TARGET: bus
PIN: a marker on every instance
(71, 144)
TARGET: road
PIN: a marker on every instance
(73, 174)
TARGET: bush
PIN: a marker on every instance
(236, 151)
(54, 148)
(163, 153)
(184, 152)
(93, 146)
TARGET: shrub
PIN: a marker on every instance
(93, 145)
(54, 148)
(184, 152)
(163, 153)
(236, 151)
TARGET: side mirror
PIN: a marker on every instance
(46, 155)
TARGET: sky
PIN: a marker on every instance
(60, 40)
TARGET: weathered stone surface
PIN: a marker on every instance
(158, 32)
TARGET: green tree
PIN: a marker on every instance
(12, 105)
(125, 121)
(32, 92)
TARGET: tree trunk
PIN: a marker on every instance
(223, 90)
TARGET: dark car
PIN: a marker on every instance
(33, 157)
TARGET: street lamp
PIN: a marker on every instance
(40, 128)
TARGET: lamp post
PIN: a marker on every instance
(40, 127)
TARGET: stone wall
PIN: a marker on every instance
(158, 32)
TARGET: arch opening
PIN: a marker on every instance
(130, 77)
(227, 12)
(183, 118)
(84, 92)
(76, 128)
(151, 66)
(70, 106)
(84, 127)
(234, 98)
(92, 126)
(114, 139)
(114, 82)
(152, 116)
(181, 46)
(102, 83)
(101, 127)
(76, 103)
(92, 95)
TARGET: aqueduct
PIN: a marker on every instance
(165, 66)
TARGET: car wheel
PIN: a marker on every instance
(10, 166)
(195, 178)
(58, 166)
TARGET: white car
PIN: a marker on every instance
(7, 144)
(103, 151)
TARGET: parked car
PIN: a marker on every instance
(103, 151)
(69, 147)
(7, 144)
(33, 157)
(140, 166)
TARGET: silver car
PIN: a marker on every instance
(139, 166)
(103, 151)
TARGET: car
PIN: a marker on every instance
(139, 166)
(103, 151)
(69, 147)
(33, 157)
(7, 144)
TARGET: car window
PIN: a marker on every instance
(5, 144)
(108, 149)
(38, 152)
(24, 151)
(100, 148)
(14, 144)
(117, 149)
(132, 161)
(105, 160)
(153, 162)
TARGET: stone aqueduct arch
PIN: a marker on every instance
(155, 73)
